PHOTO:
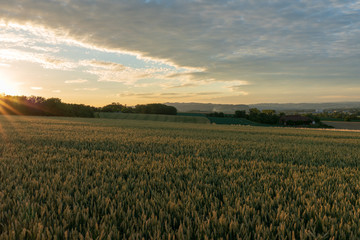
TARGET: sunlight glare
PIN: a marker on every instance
(6, 86)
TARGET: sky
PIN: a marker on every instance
(154, 51)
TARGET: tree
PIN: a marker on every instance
(269, 112)
(254, 114)
(155, 108)
(113, 107)
(240, 114)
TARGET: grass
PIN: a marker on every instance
(68, 178)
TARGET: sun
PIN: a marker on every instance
(8, 87)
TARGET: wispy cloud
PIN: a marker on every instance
(86, 89)
(238, 87)
(102, 64)
(76, 81)
(115, 72)
(167, 95)
(4, 65)
(46, 61)
(182, 85)
(37, 88)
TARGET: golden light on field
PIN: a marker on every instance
(7, 86)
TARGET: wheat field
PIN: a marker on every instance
(73, 178)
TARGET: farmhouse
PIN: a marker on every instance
(295, 120)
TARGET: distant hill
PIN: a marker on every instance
(207, 107)
(231, 108)
(305, 106)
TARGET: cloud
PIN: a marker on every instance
(11, 38)
(183, 85)
(37, 88)
(86, 89)
(238, 87)
(167, 95)
(260, 41)
(76, 81)
(111, 72)
(4, 65)
(46, 61)
(45, 49)
(115, 72)
(103, 64)
(243, 93)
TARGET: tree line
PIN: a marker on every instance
(254, 115)
(259, 116)
(40, 106)
(153, 108)
(350, 115)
